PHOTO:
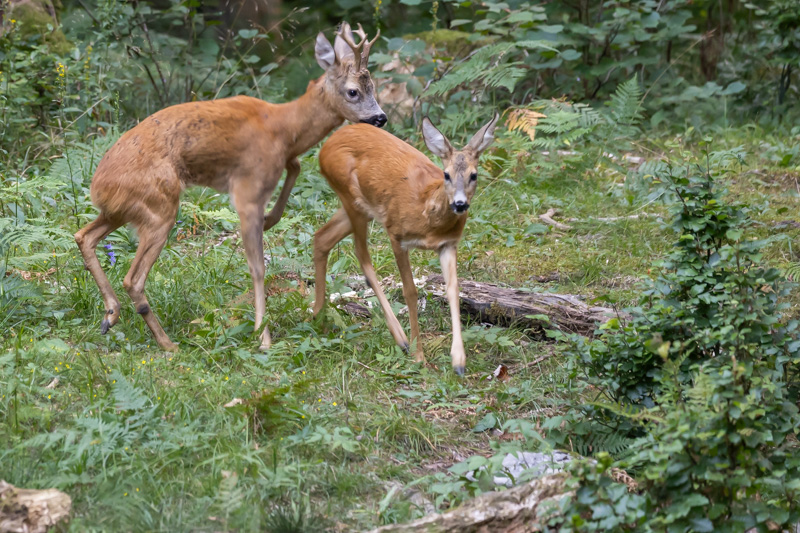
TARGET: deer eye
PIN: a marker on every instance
(473, 176)
(446, 176)
(352, 93)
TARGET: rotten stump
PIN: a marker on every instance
(31, 511)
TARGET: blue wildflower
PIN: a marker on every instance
(111, 257)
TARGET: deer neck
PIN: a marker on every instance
(310, 118)
(438, 210)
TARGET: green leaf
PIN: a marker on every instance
(550, 28)
(570, 55)
(487, 422)
(733, 234)
(460, 22)
(535, 229)
(248, 34)
(734, 88)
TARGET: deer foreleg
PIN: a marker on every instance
(447, 258)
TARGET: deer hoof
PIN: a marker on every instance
(405, 347)
(459, 370)
(105, 326)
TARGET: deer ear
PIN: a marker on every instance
(340, 46)
(481, 140)
(324, 53)
(436, 142)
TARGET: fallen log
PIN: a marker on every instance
(503, 306)
(31, 511)
(520, 509)
(492, 304)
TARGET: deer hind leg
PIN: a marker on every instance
(447, 258)
(410, 295)
(328, 236)
(275, 214)
(152, 238)
(87, 239)
(362, 253)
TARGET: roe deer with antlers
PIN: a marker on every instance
(378, 176)
(237, 145)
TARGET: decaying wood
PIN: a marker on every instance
(505, 307)
(516, 510)
(497, 305)
(31, 511)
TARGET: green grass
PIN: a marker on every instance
(332, 415)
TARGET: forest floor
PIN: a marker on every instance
(333, 417)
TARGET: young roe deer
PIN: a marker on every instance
(237, 145)
(378, 176)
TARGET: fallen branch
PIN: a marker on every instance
(521, 509)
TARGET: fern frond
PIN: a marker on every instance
(126, 396)
(792, 272)
(487, 66)
(612, 442)
(525, 120)
(626, 103)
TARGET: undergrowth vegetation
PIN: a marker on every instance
(662, 134)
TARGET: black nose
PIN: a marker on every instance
(460, 207)
(378, 120)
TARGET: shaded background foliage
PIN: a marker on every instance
(702, 63)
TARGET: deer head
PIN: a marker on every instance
(460, 166)
(348, 84)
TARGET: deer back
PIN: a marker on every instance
(389, 180)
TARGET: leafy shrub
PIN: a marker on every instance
(707, 372)
(711, 301)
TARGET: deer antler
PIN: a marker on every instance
(365, 53)
(360, 50)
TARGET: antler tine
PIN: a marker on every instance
(369, 44)
(360, 32)
(345, 34)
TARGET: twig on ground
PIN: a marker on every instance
(615, 219)
(538, 360)
(548, 218)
